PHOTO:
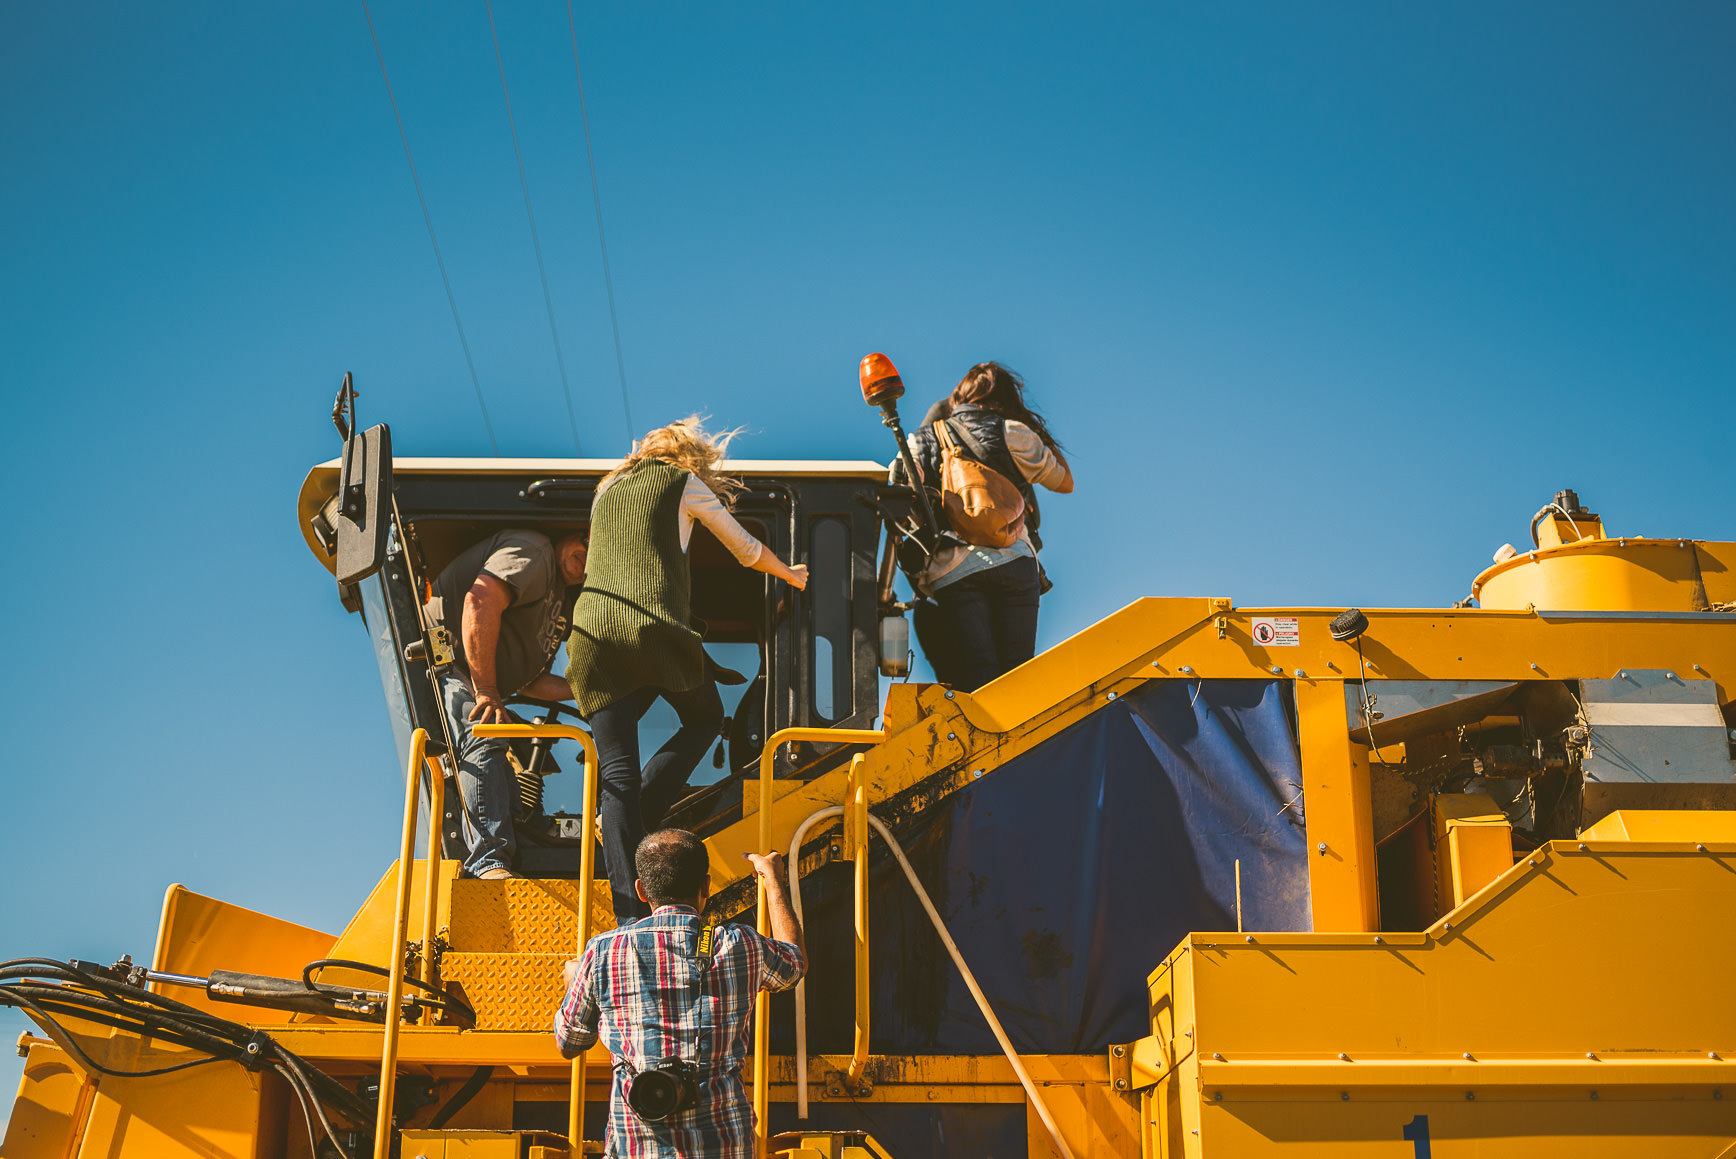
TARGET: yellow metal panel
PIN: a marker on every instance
(211, 1111)
(368, 937)
(198, 934)
(1341, 878)
(508, 991)
(1473, 846)
(53, 1095)
(1327, 1044)
(460, 1145)
(525, 916)
(1097, 1122)
(1706, 825)
(1647, 1124)
(1083, 659)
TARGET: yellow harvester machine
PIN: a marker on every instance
(1200, 881)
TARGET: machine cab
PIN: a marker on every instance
(804, 659)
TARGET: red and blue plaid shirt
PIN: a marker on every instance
(635, 990)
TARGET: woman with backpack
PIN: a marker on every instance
(986, 451)
(633, 638)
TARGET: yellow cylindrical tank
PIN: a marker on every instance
(1615, 575)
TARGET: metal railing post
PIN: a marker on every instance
(763, 1001)
(431, 868)
(395, 967)
(587, 871)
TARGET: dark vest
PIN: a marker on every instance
(989, 429)
(631, 625)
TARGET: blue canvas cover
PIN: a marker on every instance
(1067, 875)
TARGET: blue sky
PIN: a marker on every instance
(1325, 300)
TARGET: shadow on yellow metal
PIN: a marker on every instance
(1346, 1045)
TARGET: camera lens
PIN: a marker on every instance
(654, 1095)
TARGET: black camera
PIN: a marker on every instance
(666, 1088)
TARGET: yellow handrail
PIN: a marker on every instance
(587, 870)
(856, 847)
(763, 1001)
(395, 967)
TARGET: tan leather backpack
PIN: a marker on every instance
(982, 505)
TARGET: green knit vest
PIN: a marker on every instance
(631, 625)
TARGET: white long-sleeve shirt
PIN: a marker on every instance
(700, 503)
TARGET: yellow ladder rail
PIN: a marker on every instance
(587, 870)
(395, 966)
(763, 1001)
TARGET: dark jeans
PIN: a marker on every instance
(633, 800)
(990, 620)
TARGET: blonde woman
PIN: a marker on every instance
(633, 639)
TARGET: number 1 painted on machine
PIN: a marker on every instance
(1417, 1131)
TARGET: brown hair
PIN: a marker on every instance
(672, 865)
(688, 445)
(999, 389)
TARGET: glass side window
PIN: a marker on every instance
(831, 663)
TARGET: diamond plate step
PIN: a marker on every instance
(522, 916)
(507, 991)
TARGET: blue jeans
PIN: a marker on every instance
(485, 781)
(634, 800)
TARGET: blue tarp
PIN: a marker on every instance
(1069, 873)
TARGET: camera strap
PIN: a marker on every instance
(704, 954)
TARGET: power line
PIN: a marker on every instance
(434, 241)
(602, 244)
(536, 244)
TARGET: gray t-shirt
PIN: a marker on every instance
(532, 627)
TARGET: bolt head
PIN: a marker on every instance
(1344, 1096)
(952, 736)
(1321, 847)
(1120, 1084)
(949, 694)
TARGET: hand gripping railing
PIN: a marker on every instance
(587, 870)
(763, 1002)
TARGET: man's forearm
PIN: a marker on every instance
(481, 634)
(785, 926)
(548, 686)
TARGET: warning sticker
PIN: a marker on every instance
(1277, 631)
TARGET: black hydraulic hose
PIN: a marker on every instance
(441, 998)
(135, 1010)
(460, 1097)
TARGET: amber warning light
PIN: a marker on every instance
(880, 382)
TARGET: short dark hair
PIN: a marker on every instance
(672, 865)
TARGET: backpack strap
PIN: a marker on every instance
(974, 445)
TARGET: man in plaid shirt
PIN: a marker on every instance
(636, 989)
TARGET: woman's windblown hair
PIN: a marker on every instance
(689, 446)
(999, 389)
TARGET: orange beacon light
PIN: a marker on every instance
(881, 385)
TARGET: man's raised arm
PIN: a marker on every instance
(770, 868)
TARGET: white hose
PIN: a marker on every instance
(970, 981)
